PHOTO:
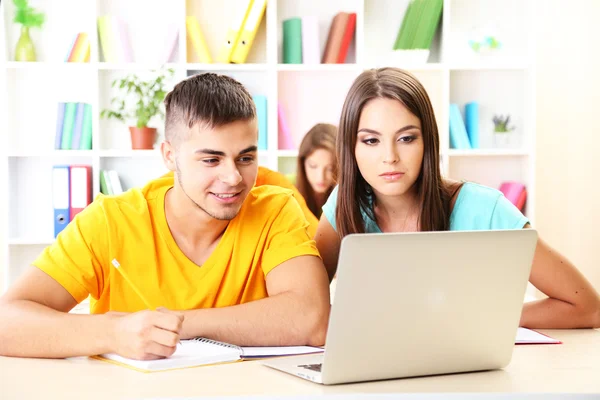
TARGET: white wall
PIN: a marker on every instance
(568, 133)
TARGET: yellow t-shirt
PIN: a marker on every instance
(267, 176)
(132, 228)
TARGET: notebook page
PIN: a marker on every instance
(527, 336)
(189, 353)
(263, 352)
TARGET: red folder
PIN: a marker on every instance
(81, 188)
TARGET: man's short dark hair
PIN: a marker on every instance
(210, 99)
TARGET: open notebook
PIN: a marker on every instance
(202, 351)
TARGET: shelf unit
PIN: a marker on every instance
(502, 83)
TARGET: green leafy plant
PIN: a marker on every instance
(139, 99)
(501, 124)
(27, 15)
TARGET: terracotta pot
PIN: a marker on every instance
(142, 138)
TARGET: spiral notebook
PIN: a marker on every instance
(202, 351)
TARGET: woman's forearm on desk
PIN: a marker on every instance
(29, 329)
(556, 314)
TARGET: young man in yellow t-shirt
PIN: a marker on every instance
(217, 257)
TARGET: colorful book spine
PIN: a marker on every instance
(334, 38)
(472, 123)
(107, 38)
(458, 133)
(248, 33)
(123, 42)
(292, 41)
(86, 129)
(283, 135)
(171, 41)
(311, 48)
(60, 116)
(68, 126)
(234, 30)
(78, 127)
(261, 114)
(347, 38)
(80, 51)
(197, 50)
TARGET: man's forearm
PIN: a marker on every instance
(552, 313)
(282, 320)
(29, 329)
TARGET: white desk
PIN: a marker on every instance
(573, 366)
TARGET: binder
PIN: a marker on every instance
(234, 30)
(293, 42)
(80, 189)
(195, 42)
(248, 33)
(61, 197)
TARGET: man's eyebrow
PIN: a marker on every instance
(250, 149)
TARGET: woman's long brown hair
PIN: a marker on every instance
(354, 195)
(320, 136)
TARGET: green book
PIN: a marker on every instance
(86, 129)
(416, 23)
(103, 185)
(292, 41)
(68, 126)
(401, 37)
(436, 14)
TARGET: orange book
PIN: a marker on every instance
(334, 38)
(347, 38)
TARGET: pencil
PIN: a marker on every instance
(117, 266)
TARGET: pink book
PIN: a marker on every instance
(311, 53)
(513, 192)
(170, 44)
(284, 136)
(124, 49)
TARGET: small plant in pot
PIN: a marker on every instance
(502, 130)
(140, 100)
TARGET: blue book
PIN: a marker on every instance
(261, 113)
(472, 123)
(458, 133)
(60, 116)
(77, 129)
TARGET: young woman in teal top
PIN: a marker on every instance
(390, 181)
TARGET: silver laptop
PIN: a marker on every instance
(425, 303)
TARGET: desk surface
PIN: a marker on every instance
(573, 366)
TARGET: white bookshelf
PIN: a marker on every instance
(502, 84)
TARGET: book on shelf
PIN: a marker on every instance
(341, 34)
(419, 24)
(261, 113)
(514, 192)
(458, 133)
(292, 41)
(80, 49)
(233, 31)
(248, 32)
(197, 50)
(171, 41)
(73, 126)
(114, 39)
(472, 123)
(201, 351)
(110, 184)
(284, 136)
(311, 48)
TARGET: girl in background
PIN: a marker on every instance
(317, 168)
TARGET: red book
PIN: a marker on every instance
(347, 38)
(81, 188)
(515, 192)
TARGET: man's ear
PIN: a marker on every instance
(168, 154)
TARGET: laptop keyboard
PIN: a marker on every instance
(312, 367)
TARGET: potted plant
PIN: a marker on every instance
(140, 100)
(502, 130)
(28, 17)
